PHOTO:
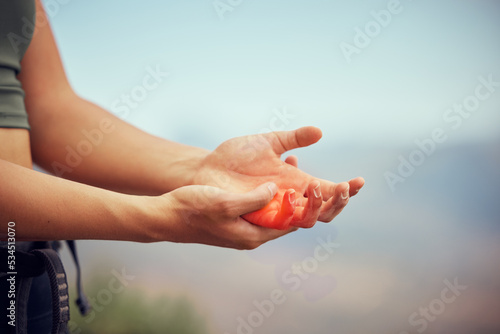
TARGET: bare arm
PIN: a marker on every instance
(80, 141)
(48, 208)
(122, 157)
(109, 152)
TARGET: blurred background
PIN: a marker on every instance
(407, 94)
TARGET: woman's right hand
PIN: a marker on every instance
(212, 216)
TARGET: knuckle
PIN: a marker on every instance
(326, 218)
(308, 225)
(224, 206)
(317, 203)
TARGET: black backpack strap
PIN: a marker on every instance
(82, 302)
(27, 264)
(24, 286)
(33, 259)
(59, 288)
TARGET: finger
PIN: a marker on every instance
(356, 185)
(329, 188)
(283, 141)
(300, 201)
(292, 160)
(308, 216)
(336, 203)
(284, 217)
(241, 203)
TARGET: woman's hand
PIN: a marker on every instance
(212, 216)
(65, 210)
(288, 208)
(242, 163)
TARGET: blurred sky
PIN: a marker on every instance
(226, 76)
(230, 76)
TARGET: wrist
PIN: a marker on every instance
(150, 218)
(177, 169)
(189, 166)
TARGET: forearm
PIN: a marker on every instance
(49, 208)
(80, 141)
(118, 157)
(45, 207)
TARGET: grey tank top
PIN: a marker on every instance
(17, 23)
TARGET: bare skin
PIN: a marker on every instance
(276, 214)
(134, 186)
(15, 146)
(245, 162)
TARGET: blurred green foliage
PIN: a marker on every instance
(135, 311)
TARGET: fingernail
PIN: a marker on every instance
(291, 197)
(272, 188)
(345, 194)
(317, 191)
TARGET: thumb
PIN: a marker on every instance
(256, 199)
(289, 140)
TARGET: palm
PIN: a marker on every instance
(243, 163)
